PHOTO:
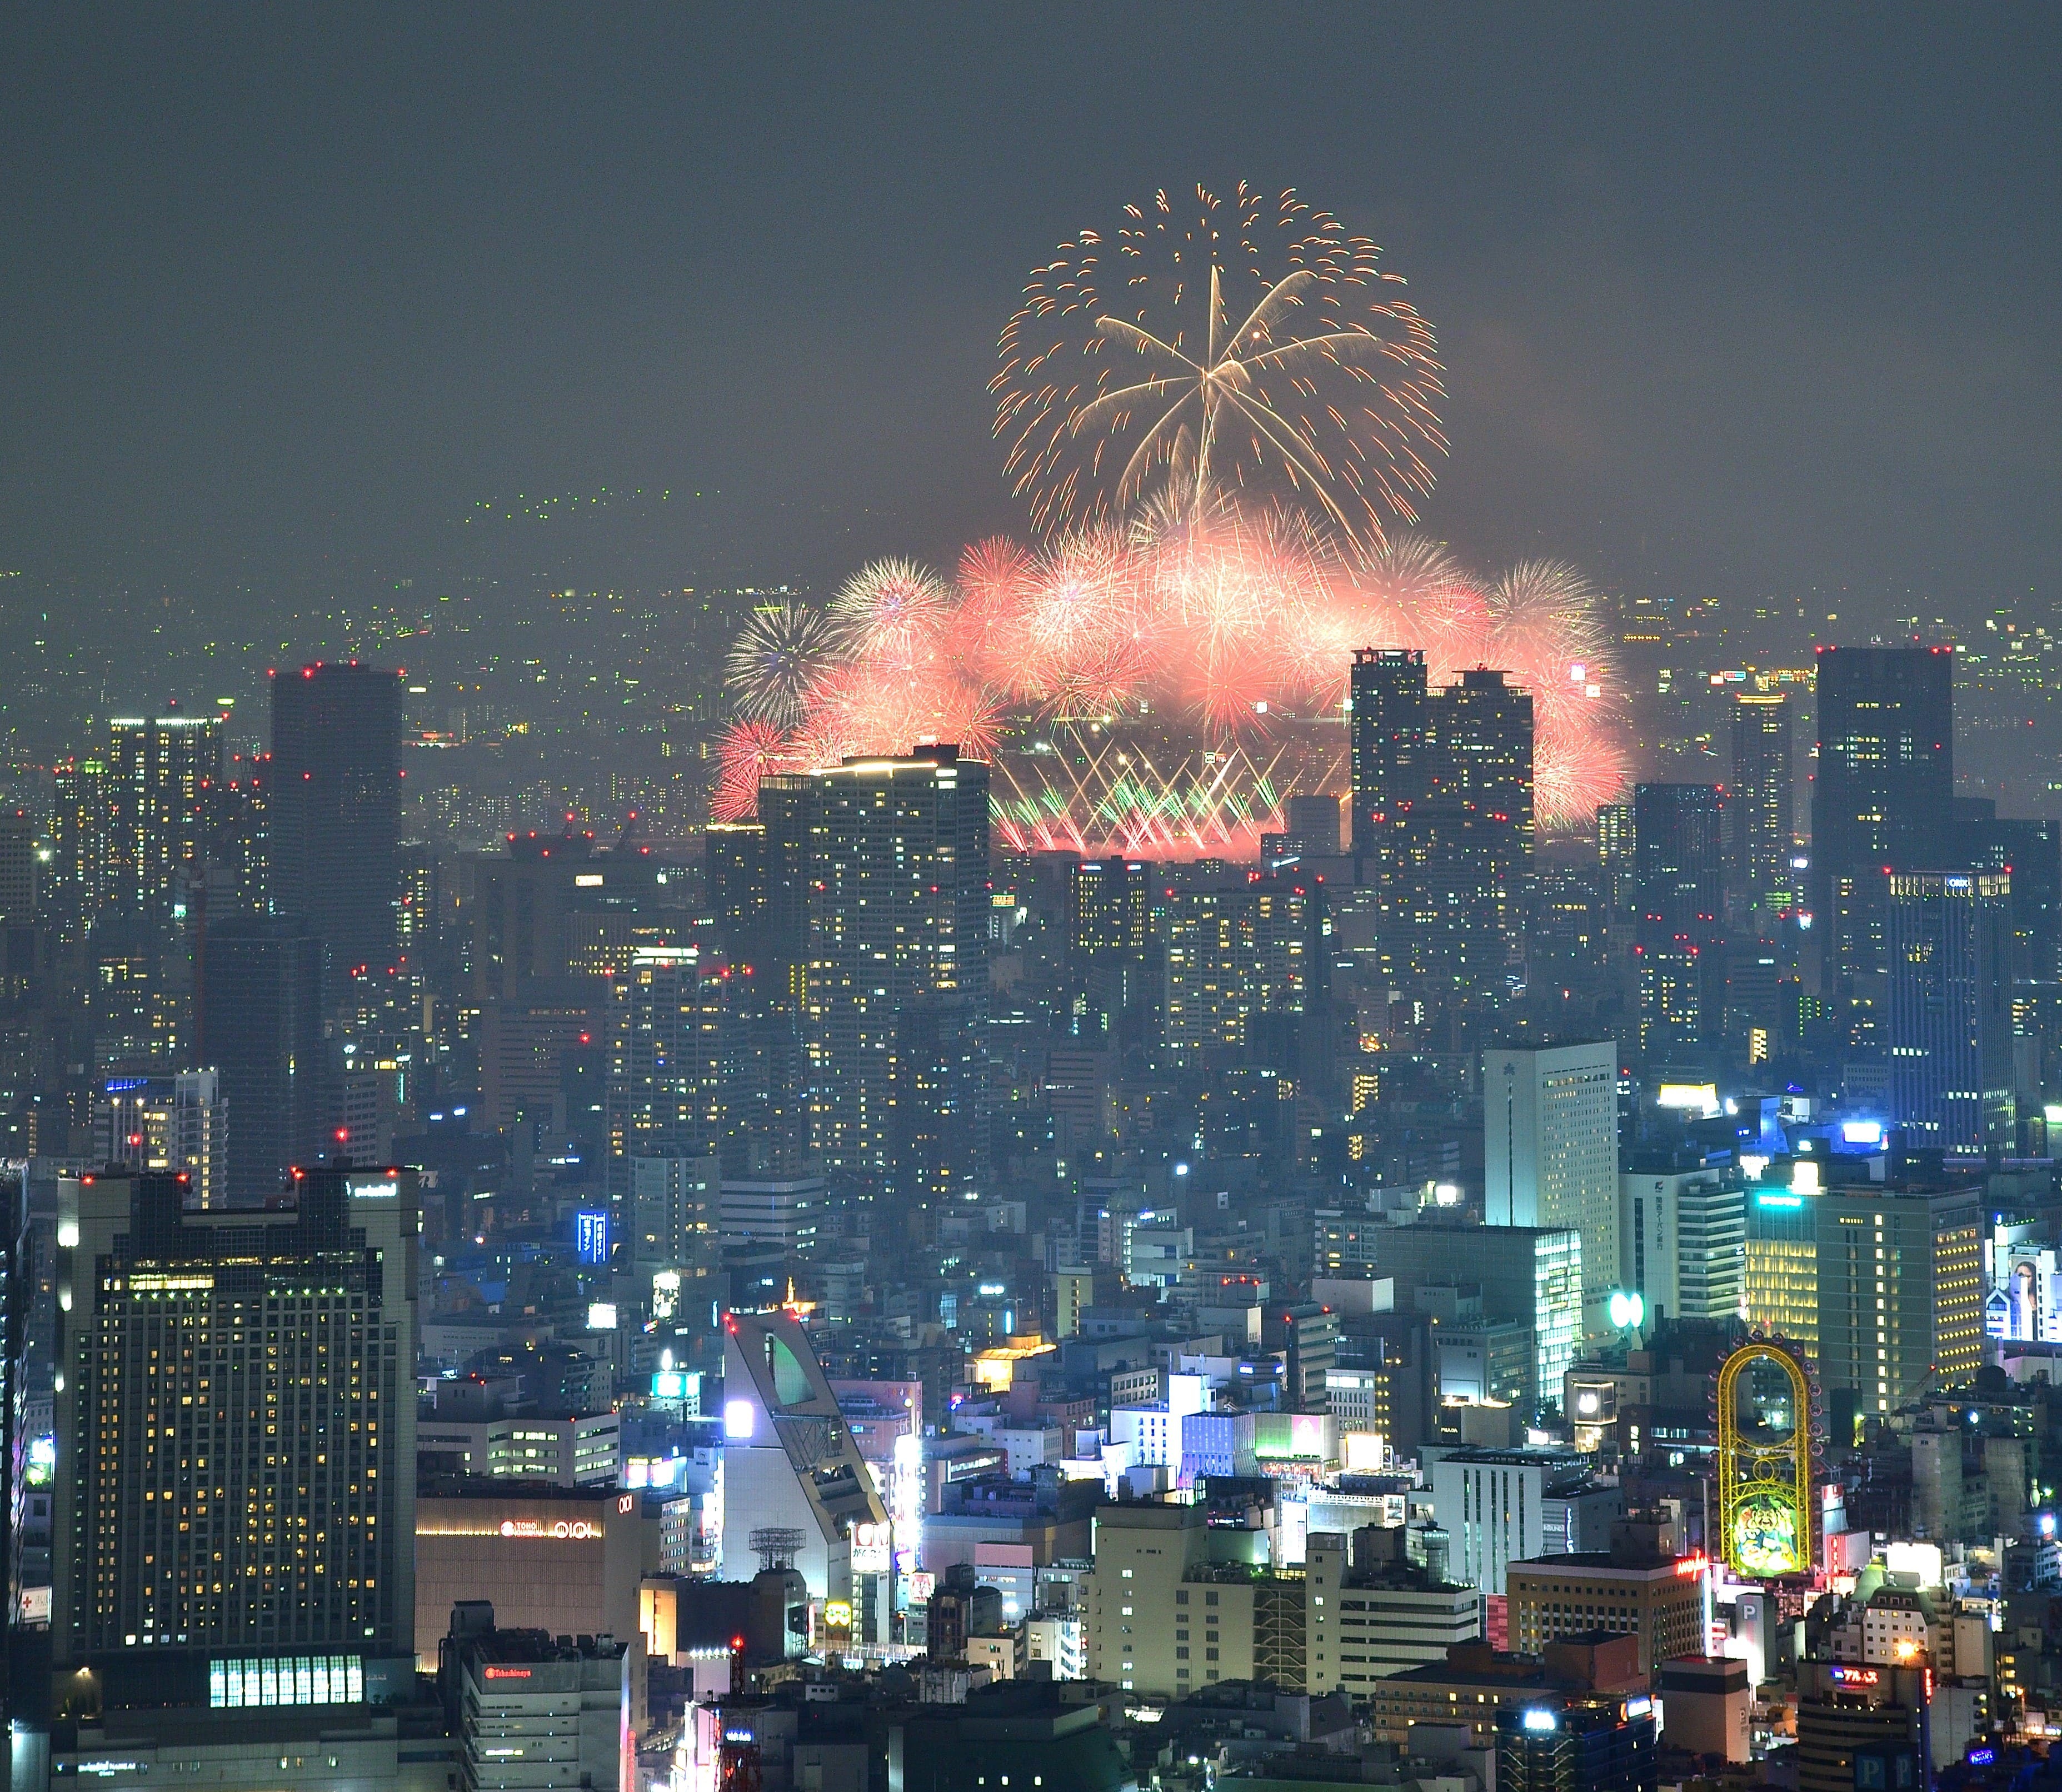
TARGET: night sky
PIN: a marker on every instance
(1733, 301)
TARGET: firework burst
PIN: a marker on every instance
(1214, 349)
(891, 609)
(777, 657)
(747, 752)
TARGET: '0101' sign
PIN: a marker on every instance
(575, 1528)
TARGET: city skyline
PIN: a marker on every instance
(1140, 901)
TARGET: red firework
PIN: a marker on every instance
(1241, 623)
(747, 752)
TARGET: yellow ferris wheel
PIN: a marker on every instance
(1767, 1423)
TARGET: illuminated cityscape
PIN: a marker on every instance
(912, 903)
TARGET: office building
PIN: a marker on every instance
(1533, 1274)
(1759, 808)
(525, 1043)
(1582, 1745)
(161, 782)
(1234, 954)
(236, 1415)
(1313, 821)
(1782, 1263)
(1949, 1025)
(1311, 830)
(1854, 1723)
(665, 1078)
(1882, 796)
(1706, 1701)
(261, 1028)
(2030, 853)
(537, 1710)
(1900, 1290)
(734, 856)
(897, 857)
(1479, 1685)
(1499, 1506)
(1679, 891)
(19, 868)
(789, 1462)
(551, 908)
(1174, 1606)
(1639, 1587)
(179, 1123)
(1388, 698)
(784, 1211)
(1550, 1156)
(336, 807)
(582, 1451)
(668, 1216)
(1109, 907)
(1371, 1612)
(1682, 1235)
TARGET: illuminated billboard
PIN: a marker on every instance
(591, 1236)
(1295, 1437)
(1765, 1425)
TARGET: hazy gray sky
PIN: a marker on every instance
(1731, 299)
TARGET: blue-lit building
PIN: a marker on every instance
(1577, 1747)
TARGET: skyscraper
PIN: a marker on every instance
(335, 807)
(236, 1463)
(261, 1029)
(1549, 1149)
(2032, 852)
(1949, 1016)
(1679, 889)
(789, 1461)
(1442, 819)
(1679, 867)
(1235, 953)
(1314, 820)
(897, 905)
(1389, 695)
(163, 783)
(1883, 798)
(179, 1123)
(1759, 805)
(1616, 869)
(1476, 825)
(1109, 907)
(665, 1060)
(734, 856)
(1900, 1290)
(79, 843)
(17, 868)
